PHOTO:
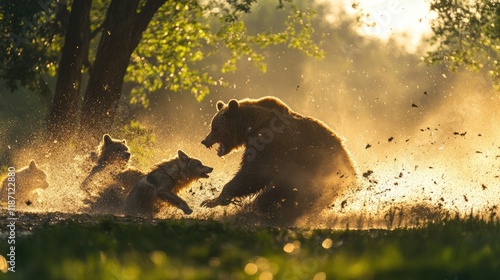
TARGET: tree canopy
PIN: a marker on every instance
(467, 33)
(150, 45)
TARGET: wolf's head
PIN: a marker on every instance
(33, 177)
(193, 168)
(113, 151)
(225, 128)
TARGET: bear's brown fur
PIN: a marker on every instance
(26, 181)
(294, 164)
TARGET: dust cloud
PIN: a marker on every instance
(420, 155)
(426, 142)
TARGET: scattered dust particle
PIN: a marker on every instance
(343, 204)
(367, 173)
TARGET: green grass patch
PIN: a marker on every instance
(114, 248)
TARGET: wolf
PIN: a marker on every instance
(28, 180)
(113, 156)
(162, 184)
(111, 178)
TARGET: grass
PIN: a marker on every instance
(114, 248)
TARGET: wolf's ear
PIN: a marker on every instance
(107, 139)
(32, 164)
(233, 105)
(220, 105)
(93, 156)
(182, 155)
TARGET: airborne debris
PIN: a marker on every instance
(414, 105)
(343, 204)
(458, 133)
(484, 186)
(367, 173)
(367, 146)
(390, 139)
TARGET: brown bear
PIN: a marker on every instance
(111, 178)
(294, 165)
(24, 185)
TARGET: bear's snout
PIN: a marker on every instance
(204, 142)
(208, 141)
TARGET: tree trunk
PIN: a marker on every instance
(122, 31)
(63, 116)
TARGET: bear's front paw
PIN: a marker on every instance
(210, 203)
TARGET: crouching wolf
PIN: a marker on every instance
(111, 178)
(163, 184)
(112, 158)
(28, 181)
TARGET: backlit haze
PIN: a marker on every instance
(425, 140)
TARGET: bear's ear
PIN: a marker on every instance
(233, 105)
(107, 139)
(124, 142)
(220, 105)
(32, 164)
(182, 155)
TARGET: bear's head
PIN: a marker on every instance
(226, 128)
(113, 151)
